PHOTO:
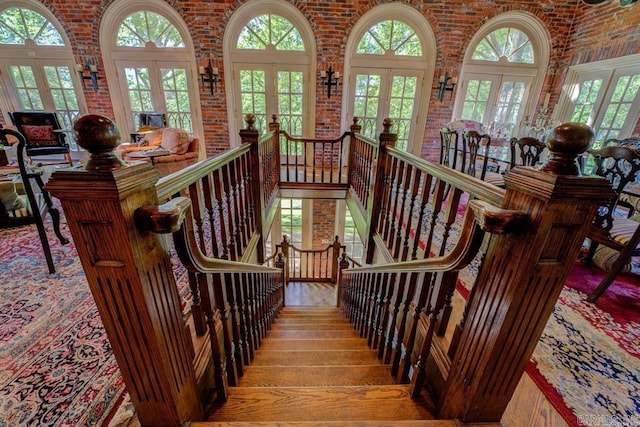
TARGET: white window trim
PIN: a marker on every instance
(237, 22)
(113, 17)
(606, 70)
(63, 55)
(426, 63)
(537, 33)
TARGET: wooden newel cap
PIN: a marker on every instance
(566, 143)
(99, 135)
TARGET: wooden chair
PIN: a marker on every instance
(526, 151)
(449, 150)
(42, 132)
(619, 165)
(475, 154)
(34, 205)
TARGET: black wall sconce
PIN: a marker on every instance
(209, 74)
(329, 78)
(92, 69)
(447, 83)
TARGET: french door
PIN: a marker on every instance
(496, 100)
(156, 86)
(378, 93)
(44, 85)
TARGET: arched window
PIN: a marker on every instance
(269, 54)
(150, 60)
(389, 60)
(504, 65)
(36, 63)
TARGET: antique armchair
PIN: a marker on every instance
(475, 155)
(526, 151)
(33, 206)
(620, 166)
(42, 132)
(449, 150)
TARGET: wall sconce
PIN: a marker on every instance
(92, 69)
(447, 83)
(329, 78)
(209, 74)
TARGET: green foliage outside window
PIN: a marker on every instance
(18, 25)
(270, 30)
(144, 27)
(392, 36)
(508, 43)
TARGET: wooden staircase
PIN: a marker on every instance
(314, 369)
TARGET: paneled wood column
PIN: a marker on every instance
(130, 276)
(521, 279)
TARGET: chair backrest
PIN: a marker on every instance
(472, 143)
(39, 131)
(627, 142)
(154, 120)
(620, 166)
(529, 150)
(448, 147)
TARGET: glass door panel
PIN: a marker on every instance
(176, 98)
(622, 100)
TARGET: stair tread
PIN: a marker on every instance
(315, 376)
(312, 326)
(354, 403)
(314, 344)
(306, 335)
(314, 357)
(370, 423)
(312, 319)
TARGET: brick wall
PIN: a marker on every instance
(599, 32)
(324, 214)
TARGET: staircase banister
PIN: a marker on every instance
(174, 183)
(170, 218)
(466, 183)
(480, 217)
(322, 140)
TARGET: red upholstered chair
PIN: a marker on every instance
(620, 166)
(42, 133)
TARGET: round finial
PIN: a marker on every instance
(386, 125)
(250, 120)
(99, 135)
(566, 143)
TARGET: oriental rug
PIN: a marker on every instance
(56, 364)
(587, 362)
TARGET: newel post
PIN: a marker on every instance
(335, 255)
(251, 135)
(382, 174)
(521, 279)
(130, 276)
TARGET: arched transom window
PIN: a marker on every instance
(503, 67)
(389, 59)
(270, 30)
(37, 65)
(154, 79)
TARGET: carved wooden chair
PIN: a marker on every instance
(42, 132)
(449, 150)
(526, 151)
(32, 207)
(475, 155)
(620, 166)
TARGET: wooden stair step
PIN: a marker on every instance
(312, 326)
(314, 357)
(315, 376)
(309, 335)
(288, 404)
(312, 319)
(323, 344)
(309, 310)
(403, 423)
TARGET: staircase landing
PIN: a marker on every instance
(314, 369)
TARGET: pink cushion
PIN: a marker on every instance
(175, 140)
(464, 125)
(153, 139)
(40, 136)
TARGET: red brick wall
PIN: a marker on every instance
(324, 214)
(599, 32)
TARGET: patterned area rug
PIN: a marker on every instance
(587, 362)
(56, 364)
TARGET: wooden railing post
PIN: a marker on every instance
(251, 135)
(282, 265)
(335, 255)
(343, 264)
(130, 275)
(286, 252)
(521, 279)
(387, 139)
